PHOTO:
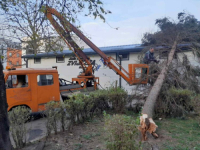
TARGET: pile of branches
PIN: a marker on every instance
(179, 91)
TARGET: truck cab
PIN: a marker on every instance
(31, 87)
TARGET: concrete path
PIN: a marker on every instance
(36, 130)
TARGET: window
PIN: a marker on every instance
(17, 81)
(45, 79)
(17, 54)
(17, 63)
(10, 54)
(37, 60)
(124, 56)
(138, 73)
(10, 62)
(60, 59)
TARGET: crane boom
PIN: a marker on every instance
(129, 77)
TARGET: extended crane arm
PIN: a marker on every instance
(109, 61)
(65, 34)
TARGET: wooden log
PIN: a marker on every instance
(146, 122)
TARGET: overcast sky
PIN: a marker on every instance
(134, 18)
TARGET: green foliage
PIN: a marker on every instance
(187, 26)
(17, 118)
(196, 104)
(78, 146)
(122, 132)
(53, 116)
(118, 99)
(89, 136)
(75, 106)
(80, 108)
(184, 134)
(175, 102)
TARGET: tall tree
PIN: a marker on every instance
(5, 143)
(26, 23)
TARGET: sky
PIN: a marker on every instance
(133, 18)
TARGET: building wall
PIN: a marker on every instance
(60, 44)
(70, 68)
(14, 58)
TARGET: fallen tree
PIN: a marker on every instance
(181, 74)
(146, 121)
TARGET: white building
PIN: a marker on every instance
(47, 44)
(68, 65)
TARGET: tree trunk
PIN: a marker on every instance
(5, 143)
(146, 121)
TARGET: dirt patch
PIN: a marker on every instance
(89, 135)
(173, 134)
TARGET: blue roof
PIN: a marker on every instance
(106, 50)
(89, 51)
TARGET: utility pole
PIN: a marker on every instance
(120, 78)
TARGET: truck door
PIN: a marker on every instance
(18, 90)
(46, 90)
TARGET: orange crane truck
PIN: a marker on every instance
(34, 88)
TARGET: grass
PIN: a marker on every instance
(78, 146)
(181, 134)
(185, 134)
(89, 136)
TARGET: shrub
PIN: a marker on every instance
(52, 113)
(122, 132)
(175, 102)
(81, 107)
(196, 106)
(74, 107)
(17, 118)
(100, 101)
(63, 116)
(118, 99)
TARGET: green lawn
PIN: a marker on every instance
(183, 134)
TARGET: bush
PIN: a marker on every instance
(81, 107)
(196, 106)
(75, 106)
(118, 99)
(17, 118)
(100, 100)
(175, 102)
(122, 132)
(53, 116)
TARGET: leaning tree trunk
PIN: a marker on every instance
(146, 121)
(5, 143)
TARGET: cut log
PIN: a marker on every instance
(146, 122)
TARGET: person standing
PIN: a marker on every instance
(148, 58)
